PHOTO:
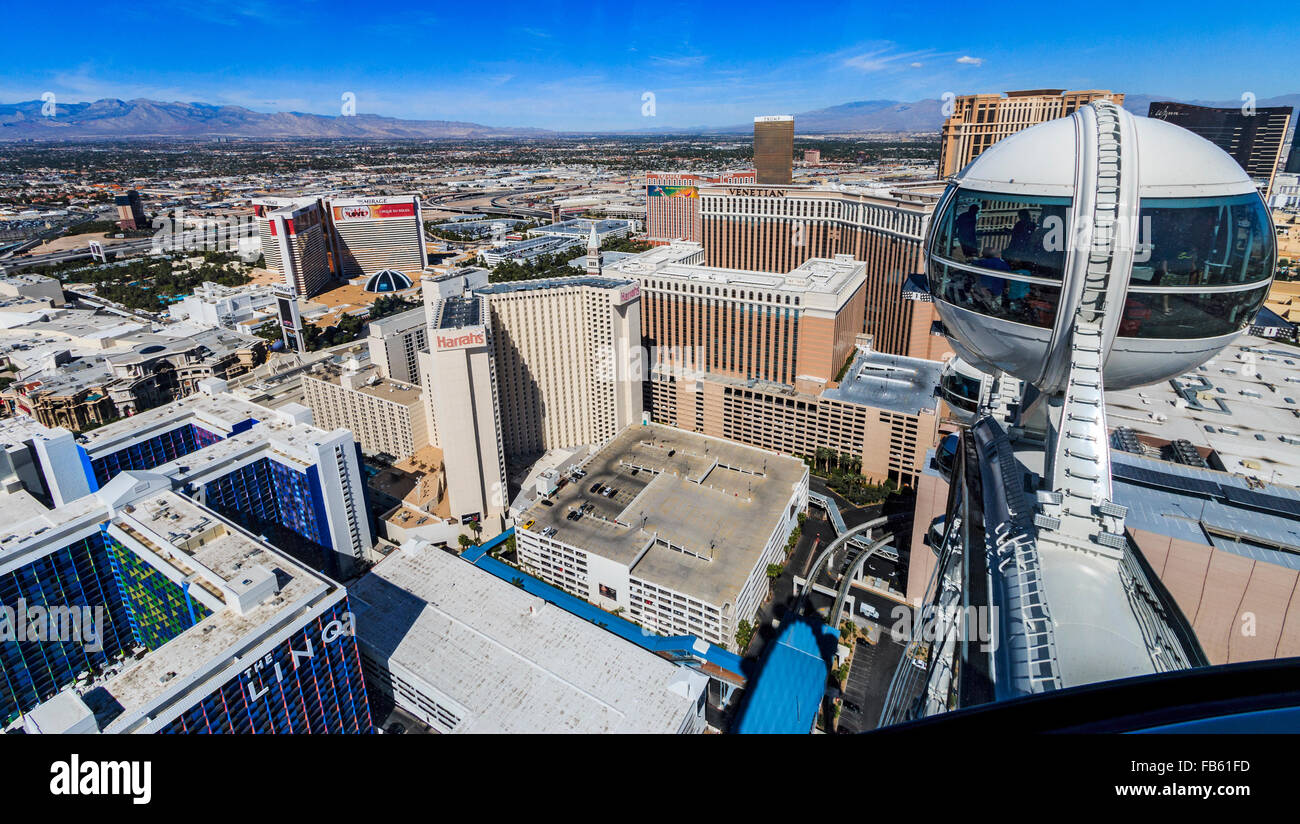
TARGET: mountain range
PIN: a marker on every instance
(150, 118)
(109, 118)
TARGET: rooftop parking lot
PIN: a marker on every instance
(690, 512)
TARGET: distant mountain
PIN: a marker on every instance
(868, 116)
(864, 116)
(150, 118)
(859, 117)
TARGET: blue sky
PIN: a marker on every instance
(577, 65)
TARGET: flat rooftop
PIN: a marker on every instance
(582, 226)
(184, 541)
(544, 243)
(1210, 508)
(458, 312)
(223, 409)
(18, 429)
(19, 506)
(225, 555)
(292, 444)
(394, 323)
(695, 521)
(820, 284)
(655, 258)
(552, 283)
(374, 384)
(87, 324)
(413, 480)
(1240, 405)
(824, 275)
(890, 382)
(607, 257)
(505, 661)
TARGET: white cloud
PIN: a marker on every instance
(679, 62)
(884, 59)
(967, 60)
(916, 65)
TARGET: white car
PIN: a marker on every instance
(868, 610)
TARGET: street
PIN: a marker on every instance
(815, 527)
(868, 683)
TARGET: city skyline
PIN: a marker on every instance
(704, 67)
(595, 369)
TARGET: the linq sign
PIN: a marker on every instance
(256, 676)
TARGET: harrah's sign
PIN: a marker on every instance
(466, 338)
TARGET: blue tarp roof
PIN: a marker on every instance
(680, 646)
(787, 692)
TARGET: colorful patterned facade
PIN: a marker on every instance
(309, 683)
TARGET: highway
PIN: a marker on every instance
(499, 201)
(447, 203)
(194, 238)
(49, 234)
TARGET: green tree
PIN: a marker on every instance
(744, 634)
(268, 331)
(391, 305)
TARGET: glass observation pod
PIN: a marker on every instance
(945, 455)
(959, 386)
(1007, 254)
